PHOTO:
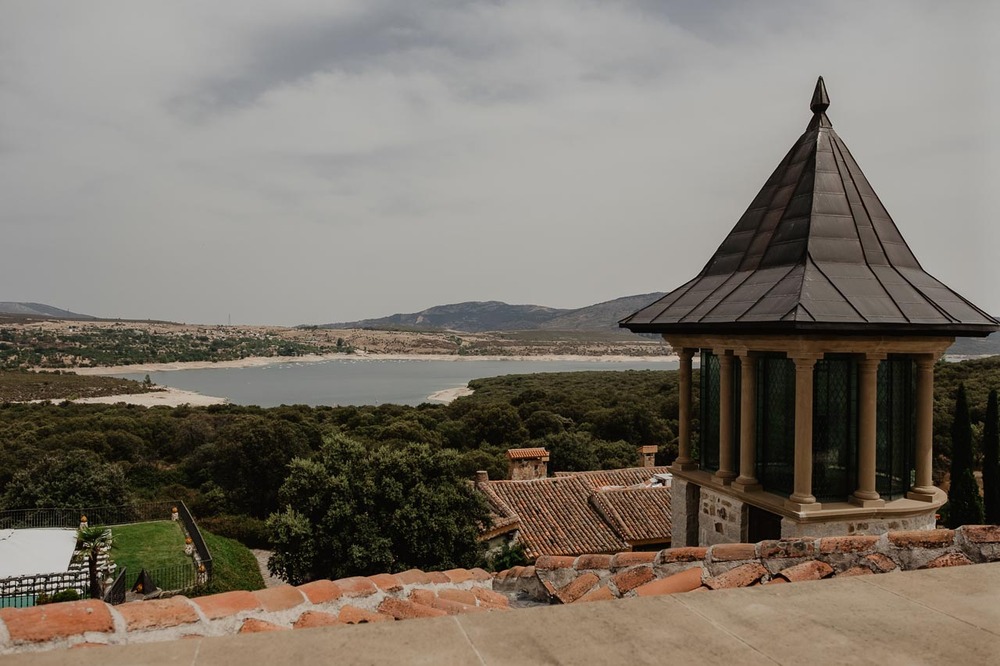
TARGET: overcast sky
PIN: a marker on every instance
(314, 161)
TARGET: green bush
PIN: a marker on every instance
(249, 531)
(62, 595)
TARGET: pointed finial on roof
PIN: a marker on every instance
(820, 101)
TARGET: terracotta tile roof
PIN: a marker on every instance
(636, 514)
(626, 476)
(555, 516)
(568, 514)
(519, 454)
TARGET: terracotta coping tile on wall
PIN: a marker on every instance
(438, 577)
(982, 533)
(356, 586)
(254, 626)
(810, 570)
(597, 594)
(684, 581)
(490, 598)
(227, 603)
(402, 609)
(779, 581)
(922, 538)
(527, 572)
(847, 544)
(514, 572)
(279, 598)
(628, 580)
(157, 613)
(592, 562)
(683, 554)
(321, 591)
(742, 576)
(948, 560)
(481, 574)
(386, 582)
(354, 615)
(732, 552)
(461, 596)
(425, 597)
(453, 607)
(623, 560)
(578, 587)
(546, 562)
(311, 619)
(882, 563)
(413, 577)
(51, 621)
(782, 548)
(458, 575)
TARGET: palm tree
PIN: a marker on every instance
(92, 541)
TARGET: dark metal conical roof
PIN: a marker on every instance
(815, 251)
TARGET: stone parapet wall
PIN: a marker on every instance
(596, 577)
(381, 598)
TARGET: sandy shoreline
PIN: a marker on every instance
(168, 397)
(447, 395)
(260, 361)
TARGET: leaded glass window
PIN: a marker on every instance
(708, 443)
(895, 429)
(776, 423)
(835, 427)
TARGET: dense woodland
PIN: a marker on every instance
(357, 490)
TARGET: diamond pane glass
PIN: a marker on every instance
(776, 423)
(835, 428)
(896, 432)
(708, 442)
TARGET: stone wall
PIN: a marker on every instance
(791, 528)
(321, 603)
(721, 519)
(561, 580)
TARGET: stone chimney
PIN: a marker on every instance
(527, 464)
(647, 455)
(482, 476)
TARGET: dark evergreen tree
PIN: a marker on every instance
(991, 460)
(965, 505)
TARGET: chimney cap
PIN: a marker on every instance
(482, 476)
(525, 454)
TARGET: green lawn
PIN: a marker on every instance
(148, 546)
(235, 567)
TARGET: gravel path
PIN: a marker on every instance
(269, 580)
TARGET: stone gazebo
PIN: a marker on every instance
(818, 331)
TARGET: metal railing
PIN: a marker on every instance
(137, 512)
(21, 591)
(24, 590)
(115, 594)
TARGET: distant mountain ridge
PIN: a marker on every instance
(483, 316)
(38, 310)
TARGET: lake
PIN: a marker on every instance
(350, 381)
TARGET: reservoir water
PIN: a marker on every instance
(350, 381)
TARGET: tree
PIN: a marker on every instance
(991, 460)
(72, 479)
(359, 510)
(92, 541)
(965, 505)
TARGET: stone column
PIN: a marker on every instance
(802, 498)
(683, 460)
(726, 472)
(924, 488)
(866, 495)
(747, 479)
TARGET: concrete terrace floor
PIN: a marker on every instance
(935, 616)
